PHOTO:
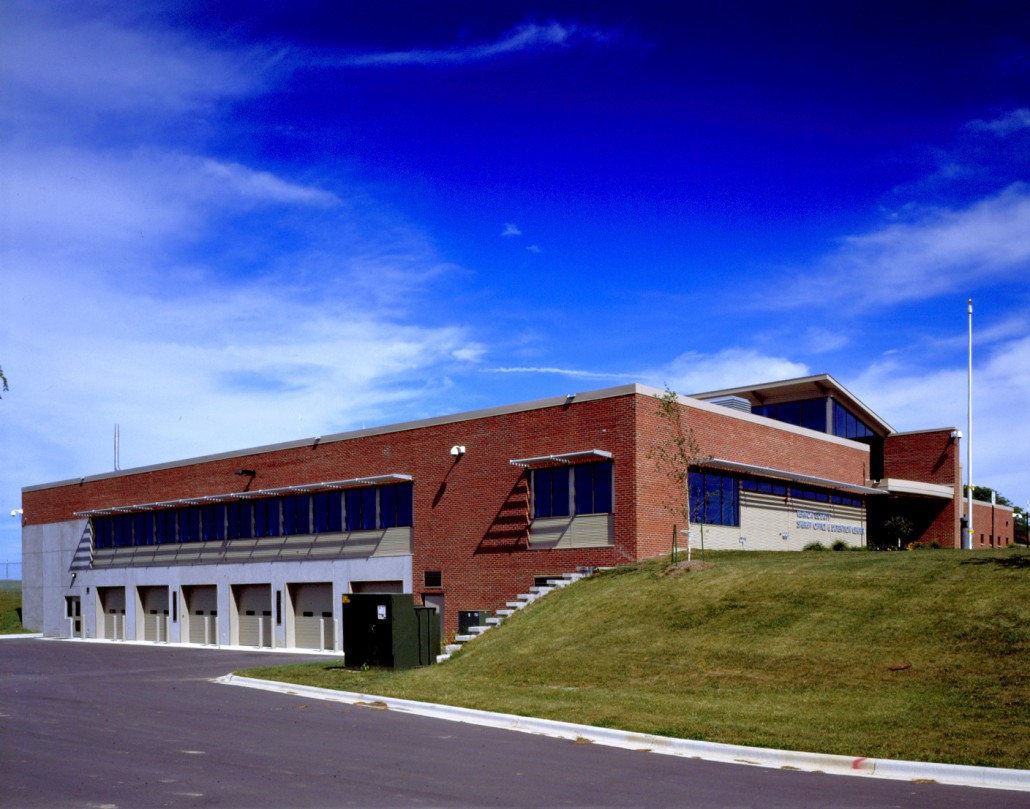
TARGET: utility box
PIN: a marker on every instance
(470, 618)
(387, 630)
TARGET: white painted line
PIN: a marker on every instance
(958, 775)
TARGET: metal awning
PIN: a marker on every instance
(373, 480)
(793, 477)
(562, 458)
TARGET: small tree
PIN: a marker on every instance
(674, 456)
(3, 380)
(897, 530)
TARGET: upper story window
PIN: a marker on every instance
(359, 509)
(847, 425)
(809, 413)
(562, 491)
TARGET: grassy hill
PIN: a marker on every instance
(920, 655)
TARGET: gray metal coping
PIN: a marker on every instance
(953, 774)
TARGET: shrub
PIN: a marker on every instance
(814, 546)
(840, 545)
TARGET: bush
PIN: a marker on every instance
(814, 546)
(840, 545)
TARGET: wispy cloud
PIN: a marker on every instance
(936, 251)
(1015, 121)
(697, 372)
(692, 372)
(511, 230)
(528, 37)
(916, 399)
(570, 372)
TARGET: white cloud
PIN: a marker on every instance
(263, 186)
(692, 372)
(96, 66)
(534, 248)
(1014, 121)
(939, 252)
(696, 372)
(511, 230)
(571, 372)
(523, 38)
(912, 399)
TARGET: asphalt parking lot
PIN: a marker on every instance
(115, 725)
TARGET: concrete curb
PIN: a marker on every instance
(954, 774)
(21, 635)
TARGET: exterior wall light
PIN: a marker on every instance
(248, 472)
(457, 450)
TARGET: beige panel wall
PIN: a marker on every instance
(774, 523)
(581, 531)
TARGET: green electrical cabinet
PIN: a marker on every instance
(387, 630)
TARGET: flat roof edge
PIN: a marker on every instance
(454, 418)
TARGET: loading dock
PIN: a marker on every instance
(152, 602)
(253, 608)
(312, 610)
(111, 604)
(200, 614)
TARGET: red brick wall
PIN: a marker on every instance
(992, 527)
(932, 457)
(728, 437)
(472, 513)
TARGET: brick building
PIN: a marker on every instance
(257, 547)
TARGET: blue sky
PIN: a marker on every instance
(231, 224)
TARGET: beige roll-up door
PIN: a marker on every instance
(254, 603)
(155, 613)
(313, 615)
(202, 609)
(112, 602)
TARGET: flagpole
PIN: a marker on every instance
(969, 435)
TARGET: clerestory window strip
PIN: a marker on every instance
(228, 497)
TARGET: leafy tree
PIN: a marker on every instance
(3, 379)
(897, 530)
(984, 493)
(674, 456)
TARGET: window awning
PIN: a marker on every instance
(373, 480)
(793, 477)
(562, 458)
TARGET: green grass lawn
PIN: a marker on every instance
(10, 603)
(920, 655)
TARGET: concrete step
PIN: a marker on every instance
(477, 630)
(501, 615)
(441, 658)
(465, 638)
(506, 613)
(451, 647)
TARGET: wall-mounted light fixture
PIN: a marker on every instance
(457, 450)
(956, 434)
(248, 472)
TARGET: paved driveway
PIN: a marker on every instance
(112, 725)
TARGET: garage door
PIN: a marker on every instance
(155, 613)
(112, 604)
(313, 625)
(254, 605)
(202, 614)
